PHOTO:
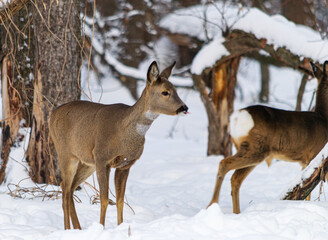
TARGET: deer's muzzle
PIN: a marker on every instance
(183, 109)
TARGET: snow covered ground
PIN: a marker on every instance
(170, 186)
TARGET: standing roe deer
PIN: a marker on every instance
(263, 133)
(92, 137)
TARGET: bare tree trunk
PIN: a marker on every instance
(11, 113)
(16, 44)
(57, 69)
(219, 104)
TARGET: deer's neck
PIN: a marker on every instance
(322, 99)
(142, 116)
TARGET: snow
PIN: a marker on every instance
(277, 30)
(213, 224)
(201, 21)
(208, 55)
(299, 39)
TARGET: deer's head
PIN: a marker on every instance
(162, 95)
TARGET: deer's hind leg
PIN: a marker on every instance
(82, 173)
(68, 169)
(236, 180)
(244, 158)
(239, 176)
(103, 171)
(121, 176)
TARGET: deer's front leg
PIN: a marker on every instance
(103, 181)
(121, 176)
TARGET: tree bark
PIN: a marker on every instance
(11, 113)
(17, 46)
(57, 69)
(11, 9)
(218, 104)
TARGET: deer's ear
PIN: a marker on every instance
(153, 73)
(325, 69)
(317, 71)
(167, 71)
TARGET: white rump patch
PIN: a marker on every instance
(142, 129)
(151, 115)
(241, 122)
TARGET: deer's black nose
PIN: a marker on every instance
(183, 109)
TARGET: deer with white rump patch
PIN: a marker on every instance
(92, 137)
(263, 133)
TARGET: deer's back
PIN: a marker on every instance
(287, 135)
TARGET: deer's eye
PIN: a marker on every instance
(165, 93)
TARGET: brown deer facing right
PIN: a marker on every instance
(92, 137)
(263, 133)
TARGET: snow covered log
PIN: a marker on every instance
(240, 42)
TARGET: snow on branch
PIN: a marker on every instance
(309, 178)
(123, 69)
(239, 43)
(140, 74)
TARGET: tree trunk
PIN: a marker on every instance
(11, 113)
(219, 104)
(57, 69)
(16, 44)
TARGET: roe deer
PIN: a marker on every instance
(92, 137)
(263, 133)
